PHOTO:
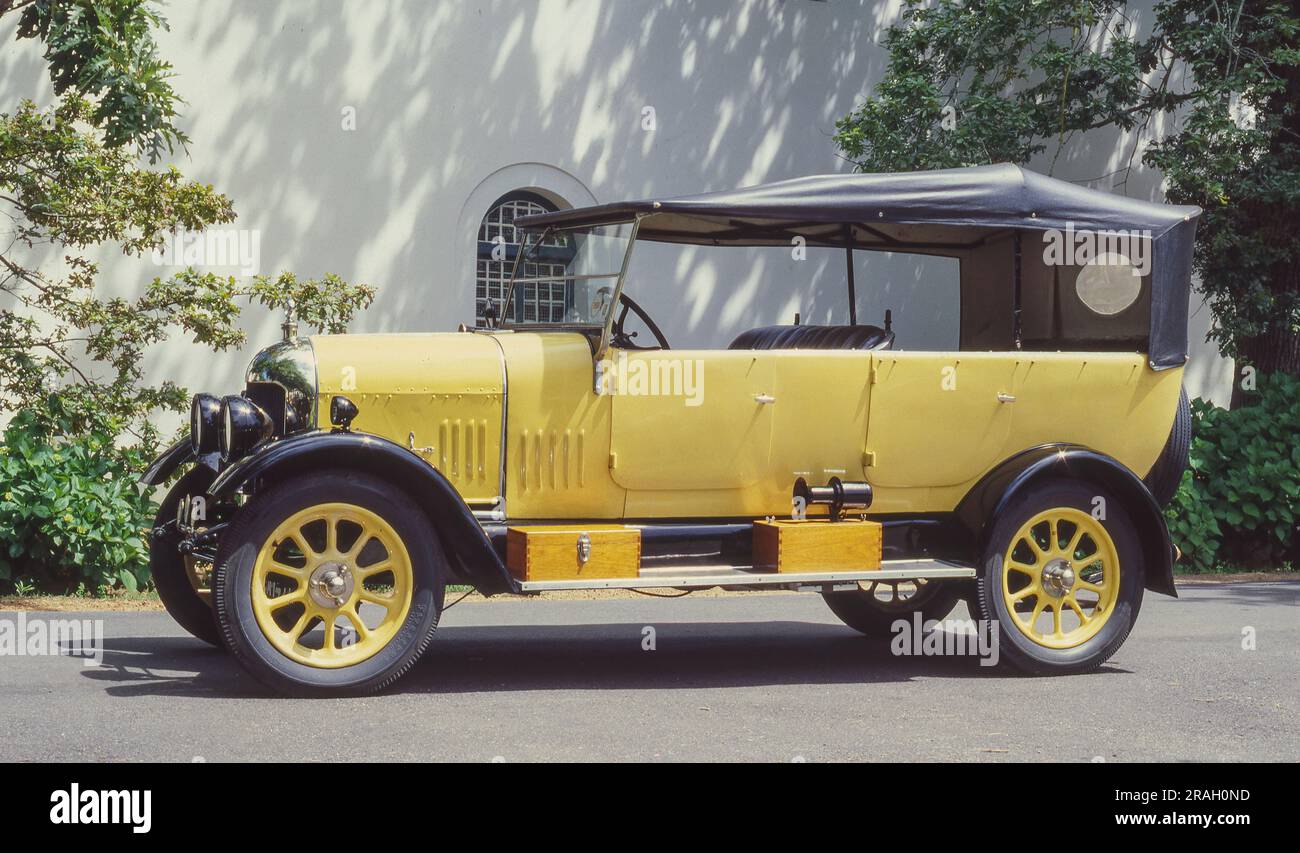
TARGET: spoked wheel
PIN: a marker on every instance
(877, 605)
(1061, 577)
(329, 597)
(1064, 585)
(332, 585)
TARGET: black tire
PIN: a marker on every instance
(258, 520)
(1014, 646)
(170, 578)
(867, 614)
(1167, 473)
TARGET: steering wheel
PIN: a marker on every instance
(622, 339)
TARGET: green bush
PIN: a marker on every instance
(1238, 506)
(72, 519)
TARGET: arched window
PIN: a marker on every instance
(498, 243)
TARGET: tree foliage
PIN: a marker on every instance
(1238, 506)
(105, 50)
(1216, 84)
(72, 519)
(73, 183)
(63, 189)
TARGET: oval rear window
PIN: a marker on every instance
(1109, 284)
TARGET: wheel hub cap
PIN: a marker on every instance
(331, 584)
(1058, 578)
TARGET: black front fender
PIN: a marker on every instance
(981, 506)
(467, 546)
(171, 459)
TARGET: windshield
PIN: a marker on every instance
(567, 277)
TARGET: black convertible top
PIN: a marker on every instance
(936, 211)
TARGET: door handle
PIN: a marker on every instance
(765, 399)
(1006, 398)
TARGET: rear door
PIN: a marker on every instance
(938, 419)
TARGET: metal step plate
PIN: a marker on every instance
(732, 577)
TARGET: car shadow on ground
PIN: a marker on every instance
(1266, 593)
(481, 659)
(170, 666)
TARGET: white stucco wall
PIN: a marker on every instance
(456, 103)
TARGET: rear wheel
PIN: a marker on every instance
(182, 580)
(331, 595)
(1063, 585)
(876, 606)
(1167, 473)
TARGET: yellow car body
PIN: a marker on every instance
(513, 419)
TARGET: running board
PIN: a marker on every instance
(728, 577)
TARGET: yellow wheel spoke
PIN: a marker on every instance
(298, 595)
(301, 542)
(1056, 618)
(1074, 543)
(384, 601)
(329, 644)
(1033, 543)
(364, 572)
(1090, 587)
(298, 627)
(331, 534)
(1029, 590)
(1074, 605)
(1038, 611)
(363, 633)
(355, 550)
(1023, 568)
(287, 570)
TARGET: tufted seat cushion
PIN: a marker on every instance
(814, 337)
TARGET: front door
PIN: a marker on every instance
(689, 420)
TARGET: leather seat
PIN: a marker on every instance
(814, 337)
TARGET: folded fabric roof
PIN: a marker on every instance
(946, 209)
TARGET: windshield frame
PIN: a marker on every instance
(606, 326)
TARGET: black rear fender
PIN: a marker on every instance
(978, 510)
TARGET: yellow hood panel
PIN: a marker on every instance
(445, 388)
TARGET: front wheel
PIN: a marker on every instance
(331, 595)
(1062, 577)
(181, 579)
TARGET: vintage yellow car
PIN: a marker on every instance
(321, 512)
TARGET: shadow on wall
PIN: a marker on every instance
(441, 95)
(351, 135)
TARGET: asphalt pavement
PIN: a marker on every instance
(770, 677)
